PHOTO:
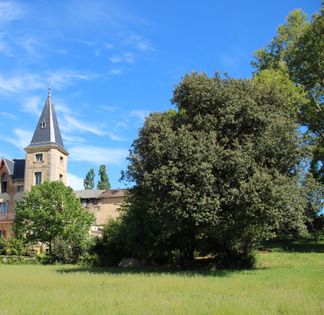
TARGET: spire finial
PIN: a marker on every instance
(49, 92)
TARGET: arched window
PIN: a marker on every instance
(4, 182)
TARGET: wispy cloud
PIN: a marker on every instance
(109, 46)
(108, 108)
(140, 114)
(8, 115)
(28, 81)
(115, 72)
(98, 155)
(29, 43)
(10, 11)
(139, 42)
(59, 79)
(71, 123)
(4, 45)
(75, 182)
(126, 57)
(32, 105)
(21, 138)
(70, 139)
(34, 81)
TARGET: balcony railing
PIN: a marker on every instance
(7, 216)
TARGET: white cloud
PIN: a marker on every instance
(71, 123)
(28, 43)
(4, 46)
(126, 57)
(21, 138)
(108, 108)
(109, 46)
(61, 107)
(19, 83)
(8, 115)
(32, 105)
(75, 182)
(10, 11)
(33, 81)
(59, 79)
(140, 114)
(72, 139)
(98, 155)
(139, 42)
(115, 72)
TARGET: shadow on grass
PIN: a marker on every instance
(151, 271)
(296, 245)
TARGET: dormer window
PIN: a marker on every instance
(43, 124)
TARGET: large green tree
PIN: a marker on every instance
(220, 173)
(51, 211)
(298, 47)
(88, 182)
(103, 182)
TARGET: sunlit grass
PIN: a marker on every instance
(282, 283)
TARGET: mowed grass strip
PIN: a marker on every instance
(282, 283)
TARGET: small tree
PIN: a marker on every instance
(88, 182)
(103, 182)
(49, 211)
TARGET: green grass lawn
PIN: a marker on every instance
(282, 283)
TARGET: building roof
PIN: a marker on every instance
(16, 168)
(89, 193)
(97, 194)
(19, 169)
(10, 165)
(47, 131)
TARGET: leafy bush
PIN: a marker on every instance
(14, 246)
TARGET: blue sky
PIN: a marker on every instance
(110, 63)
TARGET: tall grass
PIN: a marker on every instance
(282, 283)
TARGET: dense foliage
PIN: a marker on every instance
(49, 212)
(218, 175)
(298, 47)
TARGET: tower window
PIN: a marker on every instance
(38, 178)
(4, 183)
(39, 157)
(43, 124)
(61, 177)
(61, 159)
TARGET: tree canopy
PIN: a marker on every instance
(51, 211)
(298, 48)
(220, 173)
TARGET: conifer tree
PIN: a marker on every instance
(103, 182)
(88, 182)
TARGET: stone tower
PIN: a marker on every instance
(46, 157)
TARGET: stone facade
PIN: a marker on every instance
(104, 204)
(47, 160)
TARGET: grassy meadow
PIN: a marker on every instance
(282, 283)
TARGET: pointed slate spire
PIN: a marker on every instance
(47, 131)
